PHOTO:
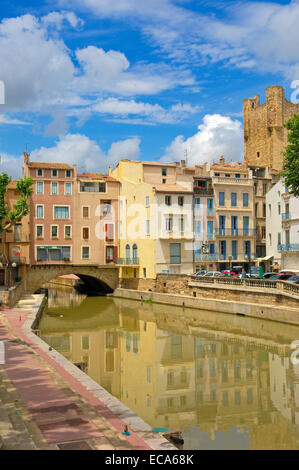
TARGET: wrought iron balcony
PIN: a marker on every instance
(288, 247)
(203, 191)
(206, 257)
(128, 261)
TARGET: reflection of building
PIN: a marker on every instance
(180, 381)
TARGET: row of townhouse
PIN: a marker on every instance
(175, 218)
(282, 229)
(144, 217)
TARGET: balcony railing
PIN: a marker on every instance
(286, 216)
(206, 257)
(235, 232)
(203, 191)
(238, 181)
(128, 261)
(289, 247)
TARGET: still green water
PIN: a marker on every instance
(227, 382)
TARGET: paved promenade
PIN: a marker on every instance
(43, 407)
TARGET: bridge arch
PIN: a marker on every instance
(99, 279)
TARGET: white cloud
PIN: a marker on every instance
(11, 165)
(86, 153)
(261, 35)
(5, 119)
(155, 113)
(218, 135)
(57, 19)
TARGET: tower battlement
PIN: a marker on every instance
(265, 137)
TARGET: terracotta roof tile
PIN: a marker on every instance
(94, 176)
(58, 166)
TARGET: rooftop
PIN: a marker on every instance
(58, 166)
(97, 176)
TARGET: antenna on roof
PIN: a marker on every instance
(186, 155)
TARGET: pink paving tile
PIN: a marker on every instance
(102, 409)
(69, 430)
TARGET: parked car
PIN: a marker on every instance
(247, 276)
(227, 274)
(280, 277)
(200, 273)
(294, 279)
(267, 275)
(212, 274)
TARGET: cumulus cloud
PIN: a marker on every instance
(155, 113)
(217, 135)
(86, 153)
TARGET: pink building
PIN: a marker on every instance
(51, 211)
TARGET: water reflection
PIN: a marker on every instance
(227, 382)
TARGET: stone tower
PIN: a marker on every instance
(265, 137)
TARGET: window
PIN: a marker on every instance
(17, 233)
(54, 173)
(110, 254)
(67, 189)
(279, 209)
(85, 252)
(182, 224)
(183, 401)
(233, 199)
(39, 231)
(164, 171)
(175, 253)
(279, 238)
(109, 230)
(147, 201)
(264, 210)
(264, 189)
(237, 175)
(85, 233)
(144, 273)
(168, 224)
(106, 207)
(249, 396)
(263, 232)
(164, 181)
(176, 347)
(40, 172)
(168, 200)
(147, 227)
(197, 228)
(40, 187)
(41, 254)
(85, 212)
(225, 398)
(135, 253)
(61, 212)
(92, 187)
(237, 397)
(245, 199)
(54, 231)
(148, 374)
(68, 173)
(40, 212)
(67, 231)
(181, 201)
(85, 342)
(221, 199)
(270, 239)
(258, 154)
(54, 188)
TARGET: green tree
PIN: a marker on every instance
(290, 171)
(9, 217)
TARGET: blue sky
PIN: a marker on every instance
(93, 81)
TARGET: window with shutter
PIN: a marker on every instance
(109, 228)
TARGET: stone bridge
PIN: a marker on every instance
(97, 279)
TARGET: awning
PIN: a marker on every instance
(267, 257)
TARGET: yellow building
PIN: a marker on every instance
(155, 219)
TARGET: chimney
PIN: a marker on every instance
(222, 160)
(183, 163)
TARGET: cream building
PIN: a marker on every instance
(282, 228)
(155, 219)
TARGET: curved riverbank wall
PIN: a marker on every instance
(183, 292)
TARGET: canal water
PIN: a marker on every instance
(224, 381)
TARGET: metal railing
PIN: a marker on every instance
(286, 216)
(283, 286)
(206, 257)
(203, 191)
(128, 261)
(235, 232)
(288, 247)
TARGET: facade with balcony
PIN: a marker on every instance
(282, 228)
(235, 231)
